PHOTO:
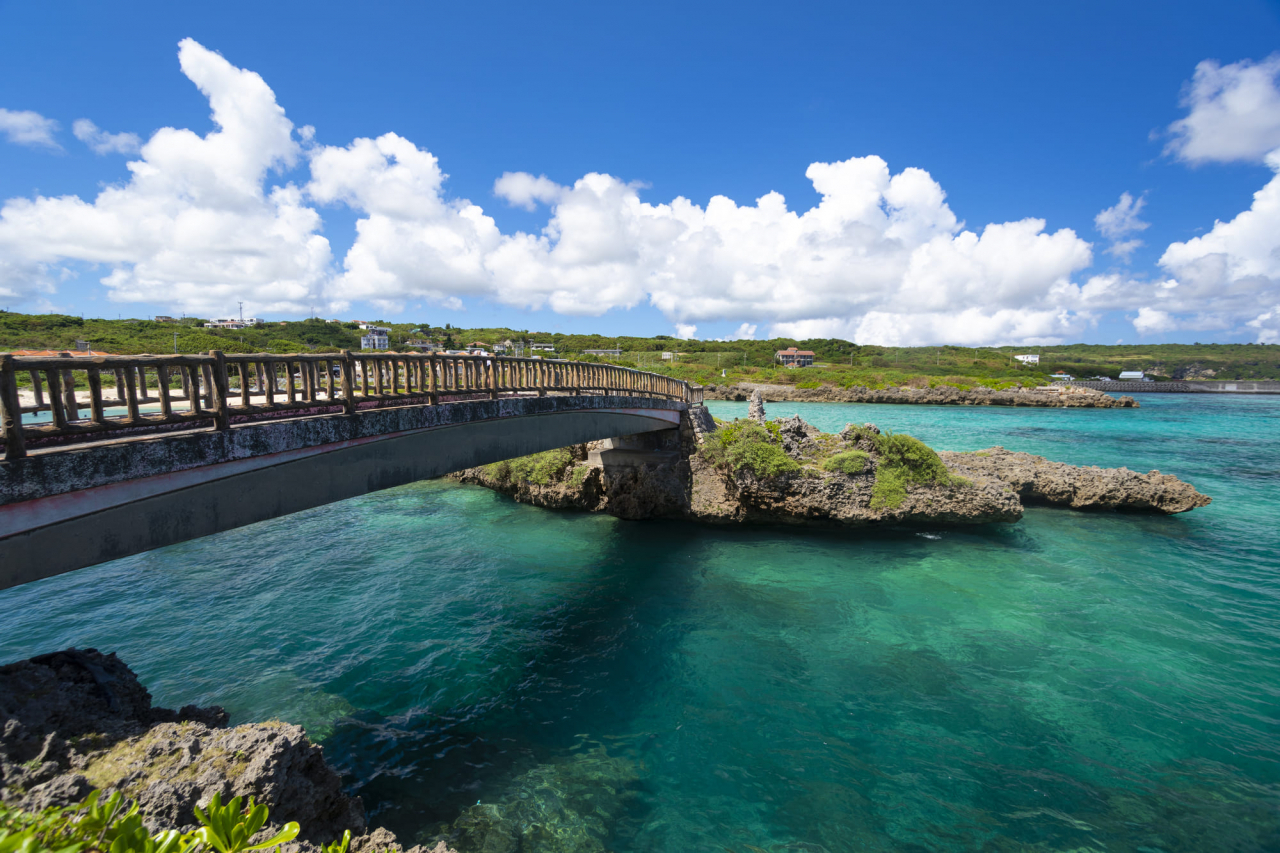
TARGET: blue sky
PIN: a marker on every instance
(986, 119)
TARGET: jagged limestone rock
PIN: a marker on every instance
(1039, 480)
(76, 720)
(755, 411)
(705, 489)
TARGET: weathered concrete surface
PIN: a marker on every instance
(66, 509)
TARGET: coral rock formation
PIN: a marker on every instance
(1039, 480)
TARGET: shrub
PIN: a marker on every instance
(539, 468)
(747, 444)
(809, 385)
(906, 460)
(847, 462)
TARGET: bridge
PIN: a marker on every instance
(123, 454)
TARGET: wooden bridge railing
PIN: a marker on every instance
(217, 389)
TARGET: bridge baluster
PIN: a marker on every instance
(96, 413)
(15, 445)
(56, 409)
(162, 377)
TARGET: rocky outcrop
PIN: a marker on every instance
(700, 483)
(1041, 481)
(941, 396)
(755, 411)
(77, 720)
(688, 484)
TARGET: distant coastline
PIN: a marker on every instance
(943, 395)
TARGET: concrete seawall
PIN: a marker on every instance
(1188, 386)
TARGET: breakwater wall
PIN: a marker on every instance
(1188, 386)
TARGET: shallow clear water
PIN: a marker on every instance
(1075, 680)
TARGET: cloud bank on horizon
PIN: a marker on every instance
(881, 258)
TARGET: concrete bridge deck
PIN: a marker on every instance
(84, 491)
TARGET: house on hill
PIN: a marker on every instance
(792, 357)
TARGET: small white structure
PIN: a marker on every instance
(1132, 376)
(374, 339)
(1061, 377)
(542, 347)
(224, 324)
(1028, 359)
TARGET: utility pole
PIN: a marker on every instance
(241, 312)
(175, 343)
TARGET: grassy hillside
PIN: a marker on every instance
(838, 362)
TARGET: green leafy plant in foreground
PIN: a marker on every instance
(114, 825)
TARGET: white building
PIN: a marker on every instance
(542, 347)
(224, 324)
(1028, 359)
(1132, 376)
(375, 339)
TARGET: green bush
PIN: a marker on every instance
(847, 462)
(749, 445)
(906, 460)
(541, 469)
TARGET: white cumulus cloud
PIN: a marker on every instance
(101, 142)
(25, 127)
(195, 226)
(1233, 271)
(1119, 221)
(1234, 113)
(524, 190)
(876, 244)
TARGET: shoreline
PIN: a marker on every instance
(1064, 398)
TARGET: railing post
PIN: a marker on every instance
(69, 402)
(348, 382)
(15, 447)
(221, 405)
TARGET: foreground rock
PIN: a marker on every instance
(1072, 398)
(77, 720)
(1039, 480)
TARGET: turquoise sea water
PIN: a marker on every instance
(1074, 681)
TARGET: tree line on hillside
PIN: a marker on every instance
(705, 359)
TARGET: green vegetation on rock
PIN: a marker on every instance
(751, 446)
(847, 462)
(540, 469)
(903, 461)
